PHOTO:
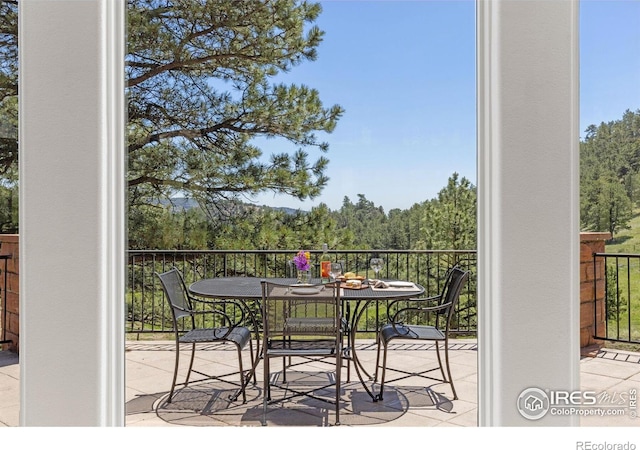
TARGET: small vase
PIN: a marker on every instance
(304, 276)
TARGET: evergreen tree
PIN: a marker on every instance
(604, 204)
(200, 89)
(450, 219)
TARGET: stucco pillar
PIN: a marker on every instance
(71, 212)
(528, 203)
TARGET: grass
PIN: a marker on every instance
(627, 241)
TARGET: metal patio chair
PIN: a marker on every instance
(301, 322)
(220, 322)
(400, 311)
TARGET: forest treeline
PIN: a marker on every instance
(609, 193)
(448, 221)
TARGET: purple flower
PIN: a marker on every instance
(301, 260)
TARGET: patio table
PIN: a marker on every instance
(250, 289)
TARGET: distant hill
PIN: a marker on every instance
(286, 210)
(181, 203)
(184, 204)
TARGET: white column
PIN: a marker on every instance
(71, 212)
(528, 224)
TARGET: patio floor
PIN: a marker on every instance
(407, 403)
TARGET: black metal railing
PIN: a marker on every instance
(621, 297)
(148, 310)
(3, 303)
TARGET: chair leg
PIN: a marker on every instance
(266, 395)
(346, 357)
(338, 370)
(251, 372)
(284, 368)
(384, 372)
(253, 361)
(446, 358)
(437, 344)
(175, 371)
(242, 381)
(350, 355)
(193, 355)
(445, 378)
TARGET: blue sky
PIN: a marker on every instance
(404, 71)
(609, 60)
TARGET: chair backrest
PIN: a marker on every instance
(301, 312)
(174, 287)
(456, 279)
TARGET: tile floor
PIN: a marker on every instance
(407, 403)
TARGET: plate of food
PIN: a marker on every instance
(353, 284)
(350, 276)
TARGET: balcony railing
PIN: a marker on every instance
(148, 311)
(621, 297)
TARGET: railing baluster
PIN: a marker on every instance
(618, 298)
(629, 297)
(614, 291)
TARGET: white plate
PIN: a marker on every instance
(400, 284)
(305, 290)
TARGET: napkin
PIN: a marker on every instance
(379, 284)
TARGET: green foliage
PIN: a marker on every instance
(8, 210)
(8, 49)
(157, 227)
(450, 220)
(446, 222)
(615, 302)
(8, 116)
(610, 174)
(200, 89)
(605, 205)
(365, 221)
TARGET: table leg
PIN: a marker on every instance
(361, 372)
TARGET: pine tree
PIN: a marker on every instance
(200, 89)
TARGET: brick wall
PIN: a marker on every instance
(591, 243)
(9, 319)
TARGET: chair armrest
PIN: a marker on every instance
(218, 308)
(394, 303)
(248, 316)
(422, 309)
